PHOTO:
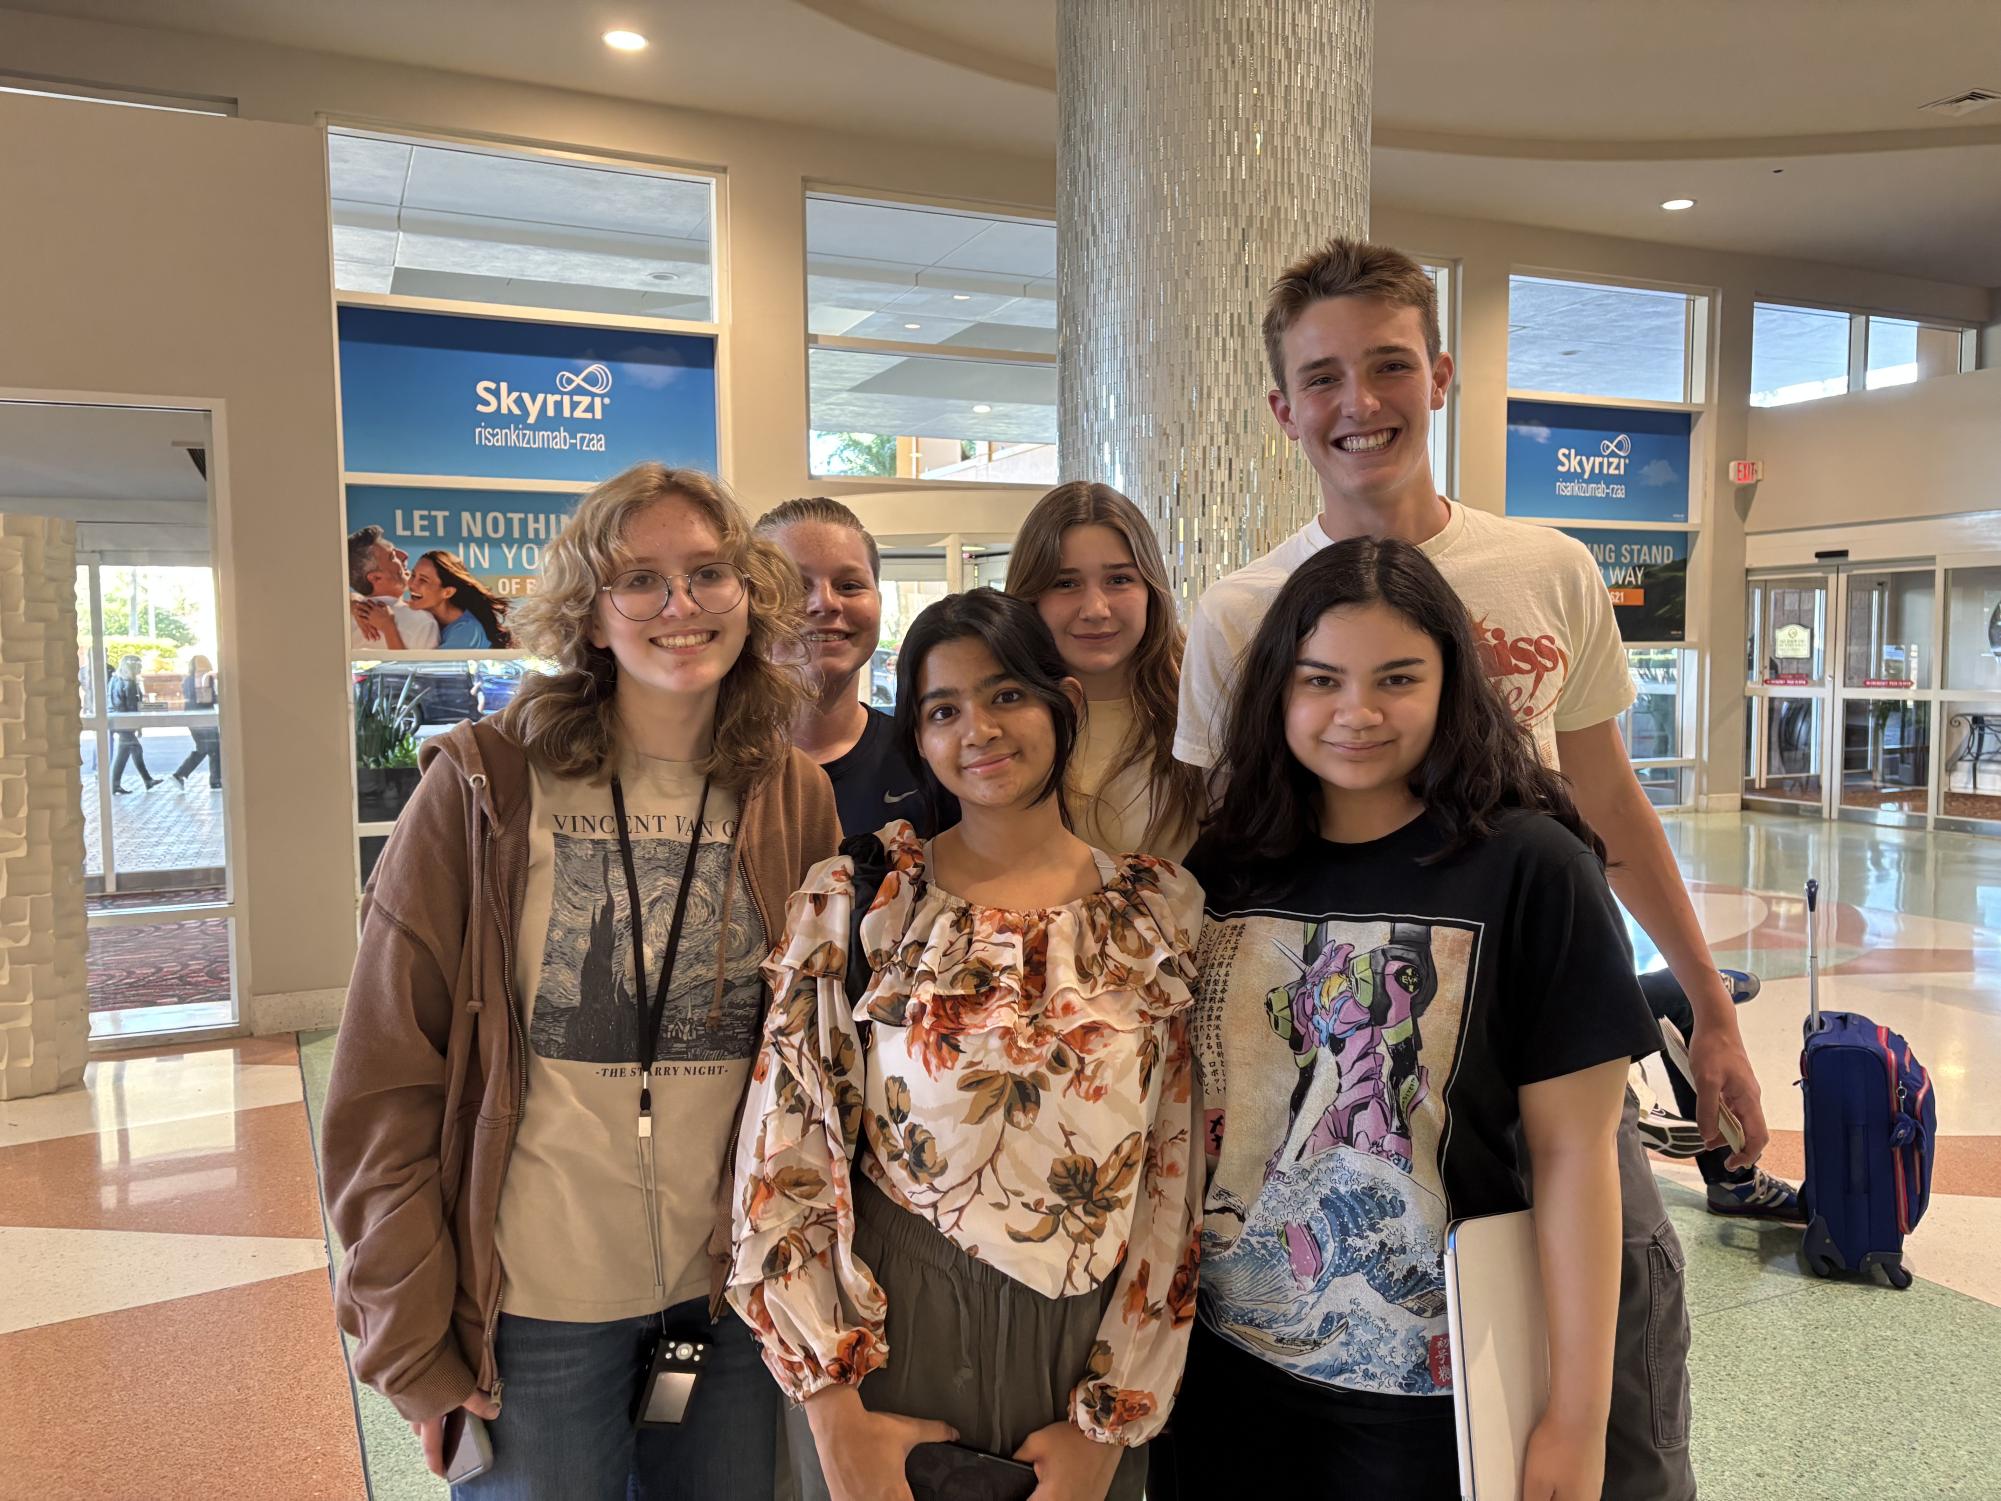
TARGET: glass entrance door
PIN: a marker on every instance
(152, 658)
(156, 850)
(1842, 680)
(1786, 735)
(1884, 718)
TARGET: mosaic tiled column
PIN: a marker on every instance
(1203, 144)
(44, 1005)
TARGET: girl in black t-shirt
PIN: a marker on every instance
(1415, 984)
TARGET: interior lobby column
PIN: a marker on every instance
(44, 1017)
(1202, 145)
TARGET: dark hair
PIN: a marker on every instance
(470, 595)
(827, 512)
(361, 558)
(1013, 630)
(1481, 761)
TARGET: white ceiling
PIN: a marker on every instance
(101, 460)
(1578, 114)
(115, 471)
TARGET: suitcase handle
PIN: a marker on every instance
(1813, 1022)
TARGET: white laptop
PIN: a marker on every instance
(1500, 1349)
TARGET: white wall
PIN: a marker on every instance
(184, 259)
(1932, 448)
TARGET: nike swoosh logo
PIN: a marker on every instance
(897, 797)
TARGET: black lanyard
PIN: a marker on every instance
(649, 1020)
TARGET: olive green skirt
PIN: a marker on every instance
(968, 1345)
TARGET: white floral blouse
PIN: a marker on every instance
(1026, 1086)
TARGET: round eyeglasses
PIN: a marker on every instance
(716, 588)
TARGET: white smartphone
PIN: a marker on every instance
(468, 1450)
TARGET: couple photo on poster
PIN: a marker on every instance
(432, 604)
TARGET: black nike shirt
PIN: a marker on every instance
(874, 784)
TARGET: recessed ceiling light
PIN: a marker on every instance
(913, 325)
(962, 296)
(1676, 205)
(983, 407)
(663, 276)
(625, 41)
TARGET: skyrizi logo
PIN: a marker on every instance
(580, 396)
(1611, 459)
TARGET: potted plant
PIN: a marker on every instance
(385, 744)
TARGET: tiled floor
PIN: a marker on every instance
(166, 1331)
(167, 829)
(166, 1328)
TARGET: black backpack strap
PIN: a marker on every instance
(871, 866)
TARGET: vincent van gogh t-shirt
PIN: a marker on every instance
(1362, 1028)
(572, 1230)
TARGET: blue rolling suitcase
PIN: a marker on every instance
(1871, 1119)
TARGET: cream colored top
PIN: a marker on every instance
(572, 1227)
(1111, 814)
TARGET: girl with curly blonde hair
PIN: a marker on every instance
(558, 969)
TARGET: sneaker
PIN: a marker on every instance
(1759, 1196)
(1669, 1135)
(179, 780)
(1741, 984)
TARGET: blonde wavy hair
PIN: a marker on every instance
(1177, 790)
(567, 720)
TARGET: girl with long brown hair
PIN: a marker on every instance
(558, 970)
(1087, 560)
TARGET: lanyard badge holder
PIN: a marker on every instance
(678, 1356)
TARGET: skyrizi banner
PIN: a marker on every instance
(1576, 463)
(437, 394)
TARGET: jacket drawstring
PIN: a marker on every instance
(476, 825)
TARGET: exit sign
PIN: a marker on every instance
(1746, 471)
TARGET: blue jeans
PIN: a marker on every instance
(565, 1427)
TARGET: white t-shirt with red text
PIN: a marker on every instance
(1540, 611)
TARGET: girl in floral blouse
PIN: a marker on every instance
(1013, 1267)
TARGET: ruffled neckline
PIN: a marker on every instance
(1122, 955)
(1108, 872)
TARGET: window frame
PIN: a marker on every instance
(1860, 320)
(1446, 274)
(716, 177)
(1698, 339)
(714, 329)
(907, 349)
(81, 90)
